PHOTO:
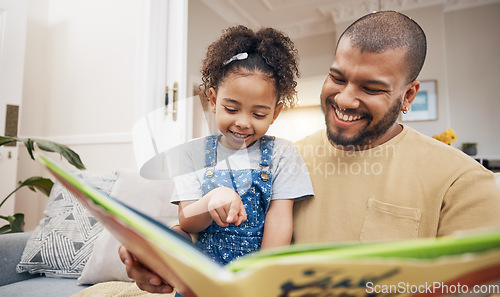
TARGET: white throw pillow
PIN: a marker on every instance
(151, 197)
(62, 242)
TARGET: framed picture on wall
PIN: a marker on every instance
(424, 107)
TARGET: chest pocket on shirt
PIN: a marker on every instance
(385, 221)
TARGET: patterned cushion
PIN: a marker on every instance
(104, 264)
(62, 242)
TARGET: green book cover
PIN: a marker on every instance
(461, 264)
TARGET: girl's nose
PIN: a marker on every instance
(242, 121)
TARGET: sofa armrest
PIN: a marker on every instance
(11, 249)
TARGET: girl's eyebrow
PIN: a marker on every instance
(232, 101)
(238, 103)
(262, 107)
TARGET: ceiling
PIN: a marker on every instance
(302, 18)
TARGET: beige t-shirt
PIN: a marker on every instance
(410, 187)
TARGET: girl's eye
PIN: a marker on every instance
(260, 116)
(229, 109)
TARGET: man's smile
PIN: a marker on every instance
(345, 117)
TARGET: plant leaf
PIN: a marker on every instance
(29, 146)
(39, 183)
(5, 229)
(50, 146)
(7, 139)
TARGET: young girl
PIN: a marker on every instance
(240, 187)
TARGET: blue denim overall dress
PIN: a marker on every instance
(224, 244)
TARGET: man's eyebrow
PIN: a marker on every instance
(378, 82)
(369, 81)
(332, 69)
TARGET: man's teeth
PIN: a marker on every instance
(345, 117)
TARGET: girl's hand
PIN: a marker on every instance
(225, 207)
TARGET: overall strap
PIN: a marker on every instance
(210, 154)
(266, 153)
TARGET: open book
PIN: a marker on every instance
(443, 266)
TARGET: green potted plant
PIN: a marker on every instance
(15, 222)
(470, 148)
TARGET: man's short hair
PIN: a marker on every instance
(385, 30)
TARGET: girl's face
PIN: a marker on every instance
(244, 107)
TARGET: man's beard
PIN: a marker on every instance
(368, 135)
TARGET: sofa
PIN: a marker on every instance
(69, 250)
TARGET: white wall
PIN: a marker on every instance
(79, 85)
(80, 73)
(432, 22)
(472, 48)
(204, 27)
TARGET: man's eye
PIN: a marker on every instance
(373, 91)
(336, 79)
(229, 109)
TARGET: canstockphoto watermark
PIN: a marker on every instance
(431, 288)
(349, 160)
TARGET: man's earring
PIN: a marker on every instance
(405, 110)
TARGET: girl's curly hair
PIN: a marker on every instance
(269, 51)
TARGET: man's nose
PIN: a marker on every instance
(347, 98)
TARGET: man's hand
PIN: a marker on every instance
(225, 207)
(145, 279)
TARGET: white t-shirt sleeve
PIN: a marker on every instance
(291, 177)
(187, 185)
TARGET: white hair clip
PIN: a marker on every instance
(237, 57)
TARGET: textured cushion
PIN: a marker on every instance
(62, 242)
(151, 197)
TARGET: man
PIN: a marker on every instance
(373, 178)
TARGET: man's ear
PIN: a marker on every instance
(212, 97)
(410, 94)
(277, 111)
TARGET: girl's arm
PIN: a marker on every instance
(278, 226)
(222, 205)
(193, 215)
